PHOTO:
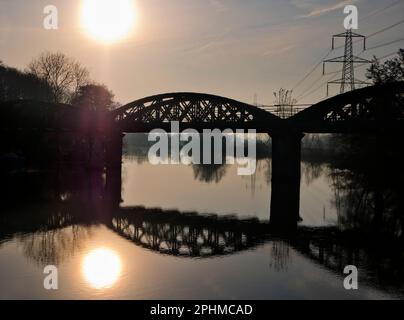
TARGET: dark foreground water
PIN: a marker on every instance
(187, 232)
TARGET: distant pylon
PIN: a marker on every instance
(348, 60)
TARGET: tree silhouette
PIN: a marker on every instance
(390, 71)
(63, 74)
(95, 97)
(17, 85)
(284, 102)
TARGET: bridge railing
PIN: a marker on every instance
(282, 111)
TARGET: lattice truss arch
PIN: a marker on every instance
(372, 109)
(189, 108)
(376, 103)
(186, 238)
(181, 240)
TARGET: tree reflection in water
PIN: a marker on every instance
(368, 181)
(209, 173)
(53, 247)
(279, 255)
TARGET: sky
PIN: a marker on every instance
(233, 48)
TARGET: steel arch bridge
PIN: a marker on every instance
(192, 110)
(371, 109)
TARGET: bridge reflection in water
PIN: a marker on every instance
(187, 234)
(76, 202)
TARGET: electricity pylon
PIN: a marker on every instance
(348, 60)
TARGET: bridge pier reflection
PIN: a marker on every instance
(113, 188)
(286, 174)
(114, 170)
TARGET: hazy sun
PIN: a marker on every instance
(108, 20)
(101, 268)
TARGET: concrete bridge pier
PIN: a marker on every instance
(286, 175)
(113, 165)
(113, 150)
(95, 158)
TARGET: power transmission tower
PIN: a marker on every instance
(348, 60)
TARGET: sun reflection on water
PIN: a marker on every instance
(101, 268)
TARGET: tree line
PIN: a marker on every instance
(57, 78)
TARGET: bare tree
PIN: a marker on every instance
(284, 102)
(63, 74)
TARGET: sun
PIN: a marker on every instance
(101, 268)
(108, 21)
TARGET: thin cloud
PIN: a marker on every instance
(324, 10)
(208, 42)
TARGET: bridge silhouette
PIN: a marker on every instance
(362, 110)
(376, 109)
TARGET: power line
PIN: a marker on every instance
(335, 72)
(341, 46)
(308, 74)
(386, 44)
(312, 70)
(310, 86)
(348, 60)
(388, 55)
(318, 79)
(376, 33)
(268, 106)
(316, 89)
(355, 67)
(304, 95)
(339, 71)
(376, 12)
(364, 64)
(385, 29)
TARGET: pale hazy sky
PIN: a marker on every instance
(233, 48)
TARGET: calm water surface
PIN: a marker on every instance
(182, 232)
